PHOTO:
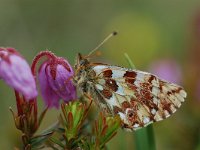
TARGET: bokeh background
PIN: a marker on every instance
(162, 37)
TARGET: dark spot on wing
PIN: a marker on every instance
(106, 93)
(152, 77)
(166, 106)
(117, 109)
(130, 76)
(125, 105)
(111, 84)
(107, 73)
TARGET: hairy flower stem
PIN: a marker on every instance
(144, 137)
(47, 54)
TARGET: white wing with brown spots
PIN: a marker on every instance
(139, 98)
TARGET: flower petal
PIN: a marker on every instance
(17, 74)
(62, 83)
(50, 98)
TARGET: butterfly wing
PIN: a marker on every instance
(139, 98)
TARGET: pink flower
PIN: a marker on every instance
(167, 69)
(55, 76)
(15, 71)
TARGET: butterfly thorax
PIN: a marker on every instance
(84, 74)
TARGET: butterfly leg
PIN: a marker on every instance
(90, 100)
(88, 97)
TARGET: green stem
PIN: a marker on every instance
(129, 61)
(144, 138)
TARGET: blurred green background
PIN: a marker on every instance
(149, 31)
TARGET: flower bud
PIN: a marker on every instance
(15, 71)
(55, 81)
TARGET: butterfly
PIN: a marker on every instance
(139, 98)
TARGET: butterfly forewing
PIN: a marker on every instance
(139, 98)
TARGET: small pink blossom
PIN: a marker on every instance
(15, 71)
(55, 76)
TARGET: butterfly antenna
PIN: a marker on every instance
(105, 40)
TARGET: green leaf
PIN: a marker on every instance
(105, 128)
(113, 125)
(45, 135)
(40, 139)
(57, 141)
(129, 61)
(73, 116)
(42, 115)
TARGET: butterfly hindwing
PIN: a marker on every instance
(139, 98)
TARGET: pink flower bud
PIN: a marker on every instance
(55, 81)
(15, 71)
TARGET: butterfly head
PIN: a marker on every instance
(81, 62)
